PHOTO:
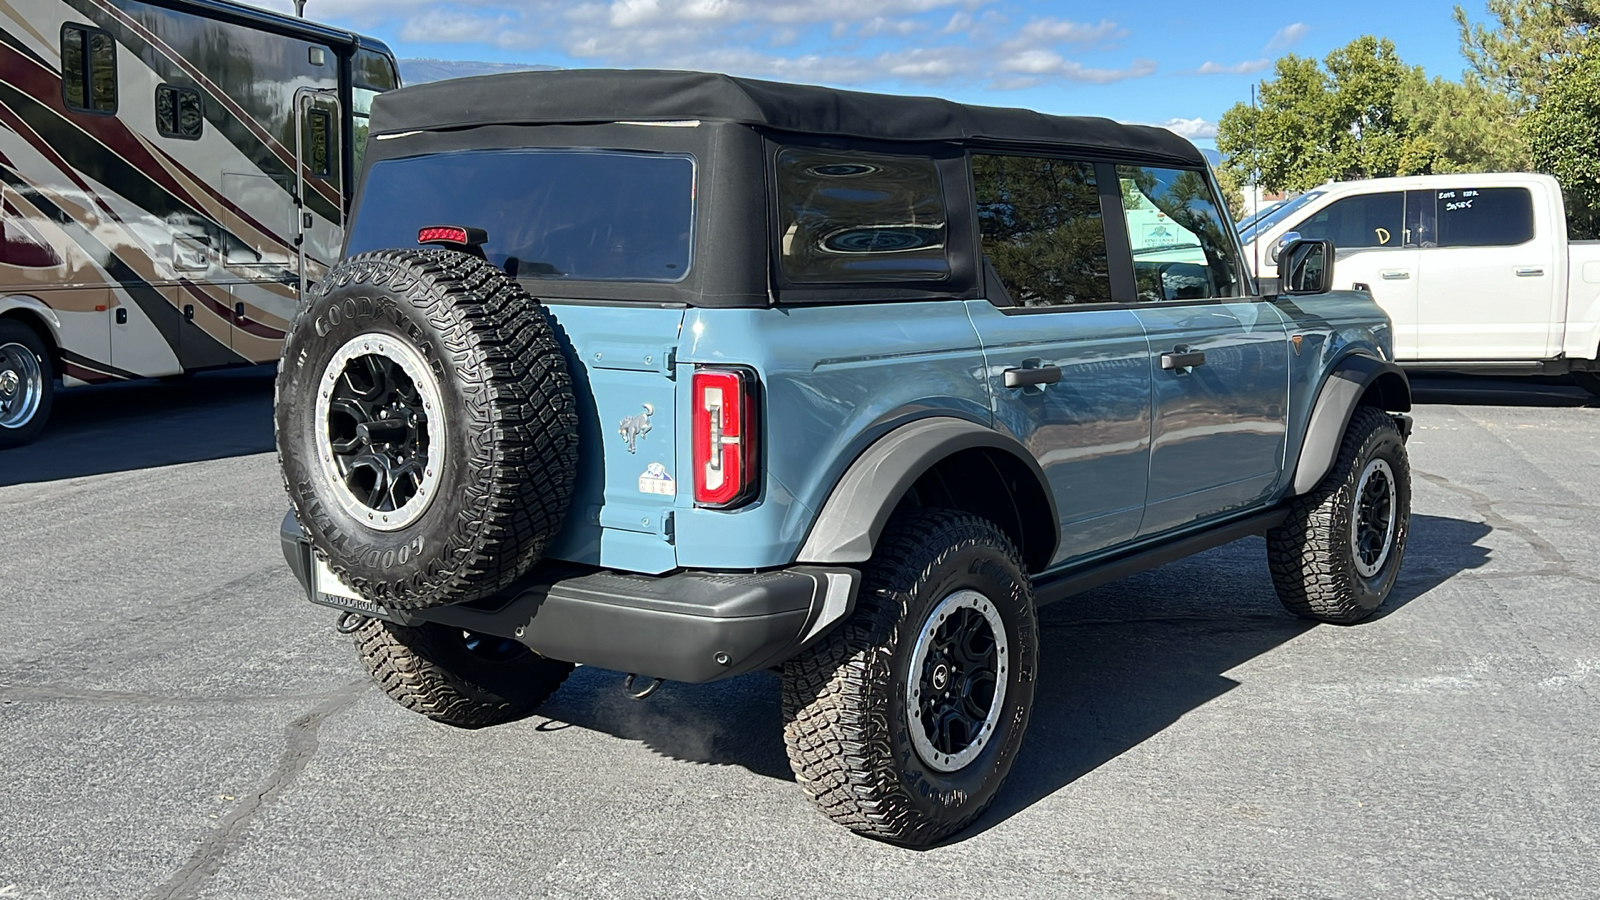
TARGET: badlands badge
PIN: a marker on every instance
(655, 480)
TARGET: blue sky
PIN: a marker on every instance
(1175, 62)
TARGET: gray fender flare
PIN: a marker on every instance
(848, 526)
(1341, 391)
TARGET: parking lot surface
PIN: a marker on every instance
(179, 723)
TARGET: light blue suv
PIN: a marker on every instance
(842, 384)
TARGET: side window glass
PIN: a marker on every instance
(179, 113)
(847, 216)
(1485, 217)
(1182, 246)
(319, 143)
(1363, 221)
(88, 69)
(1041, 227)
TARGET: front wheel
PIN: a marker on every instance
(1336, 558)
(903, 724)
(27, 384)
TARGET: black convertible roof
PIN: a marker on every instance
(625, 95)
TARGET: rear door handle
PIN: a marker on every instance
(1183, 359)
(1396, 275)
(1042, 375)
(1530, 272)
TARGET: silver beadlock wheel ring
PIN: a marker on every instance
(956, 686)
(380, 435)
(21, 385)
(1373, 521)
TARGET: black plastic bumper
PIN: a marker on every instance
(687, 626)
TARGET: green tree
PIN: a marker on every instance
(1314, 124)
(1472, 127)
(1563, 134)
(1516, 55)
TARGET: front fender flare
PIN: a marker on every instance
(1350, 380)
(848, 526)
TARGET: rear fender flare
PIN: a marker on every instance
(1352, 378)
(847, 528)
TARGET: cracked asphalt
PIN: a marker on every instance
(178, 723)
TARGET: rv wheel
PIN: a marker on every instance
(426, 427)
(27, 384)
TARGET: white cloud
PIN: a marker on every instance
(847, 42)
(1244, 68)
(1196, 129)
(1286, 37)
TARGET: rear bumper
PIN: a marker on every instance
(687, 626)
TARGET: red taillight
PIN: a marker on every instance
(725, 427)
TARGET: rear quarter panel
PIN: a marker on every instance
(1582, 340)
(834, 379)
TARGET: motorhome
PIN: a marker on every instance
(172, 174)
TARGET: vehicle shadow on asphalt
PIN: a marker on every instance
(1118, 665)
(1428, 388)
(141, 424)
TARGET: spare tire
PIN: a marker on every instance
(425, 426)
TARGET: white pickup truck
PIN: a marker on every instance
(1475, 270)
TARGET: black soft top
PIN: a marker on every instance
(581, 96)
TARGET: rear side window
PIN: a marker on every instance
(1363, 221)
(88, 69)
(846, 216)
(179, 113)
(1484, 217)
(1041, 227)
(585, 215)
(1183, 247)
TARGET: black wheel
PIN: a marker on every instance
(904, 722)
(27, 384)
(1589, 381)
(1336, 558)
(457, 677)
(426, 427)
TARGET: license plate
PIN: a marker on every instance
(328, 590)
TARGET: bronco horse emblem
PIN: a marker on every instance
(635, 427)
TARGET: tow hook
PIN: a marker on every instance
(349, 622)
(627, 685)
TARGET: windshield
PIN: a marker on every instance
(586, 215)
(1265, 223)
(1267, 210)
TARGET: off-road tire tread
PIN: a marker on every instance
(405, 661)
(522, 426)
(1309, 553)
(838, 745)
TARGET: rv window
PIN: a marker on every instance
(179, 113)
(319, 142)
(88, 69)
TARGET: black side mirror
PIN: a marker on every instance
(1305, 268)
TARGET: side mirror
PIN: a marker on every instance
(1305, 268)
(1277, 249)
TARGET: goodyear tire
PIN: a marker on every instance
(457, 677)
(1337, 556)
(426, 427)
(904, 722)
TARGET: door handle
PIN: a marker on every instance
(1182, 358)
(1530, 272)
(1015, 378)
(1396, 275)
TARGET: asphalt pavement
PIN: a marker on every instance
(178, 723)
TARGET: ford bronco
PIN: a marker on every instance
(686, 376)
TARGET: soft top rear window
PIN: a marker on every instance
(575, 215)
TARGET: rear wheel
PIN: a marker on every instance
(904, 722)
(1337, 556)
(457, 677)
(27, 384)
